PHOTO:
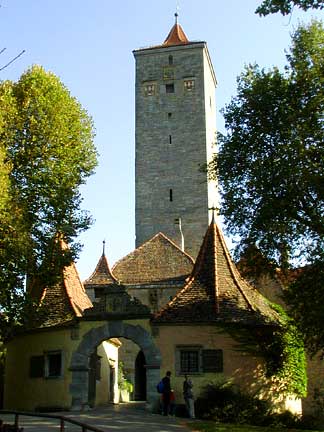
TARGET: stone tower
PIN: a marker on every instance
(175, 136)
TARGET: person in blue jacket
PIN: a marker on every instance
(166, 393)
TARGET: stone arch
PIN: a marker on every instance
(80, 360)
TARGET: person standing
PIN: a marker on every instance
(188, 396)
(166, 393)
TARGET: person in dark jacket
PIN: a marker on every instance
(166, 393)
(188, 396)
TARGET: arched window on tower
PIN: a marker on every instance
(170, 60)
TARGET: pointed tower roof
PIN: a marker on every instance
(156, 260)
(215, 291)
(102, 274)
(66, 299)
(176, 35)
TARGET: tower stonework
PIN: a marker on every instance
(175, 134)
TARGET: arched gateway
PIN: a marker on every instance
(80, 360)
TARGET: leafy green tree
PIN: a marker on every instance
(271, 159)
(285, 7)
(46, 143)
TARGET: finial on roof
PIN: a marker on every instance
(103, 247)
(177, 13)
(176, 35)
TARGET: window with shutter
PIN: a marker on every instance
(189, 361)
(36, 366)
(212, 360)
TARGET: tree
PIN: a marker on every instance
(46, 140)
(271, 160)
(285, 7)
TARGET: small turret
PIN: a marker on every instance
(100, 278)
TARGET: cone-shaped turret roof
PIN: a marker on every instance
(102, 274)
(176, 35)
(65, 299)
(215, 291)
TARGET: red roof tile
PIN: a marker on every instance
(176, 36)
(65, 299)
(75, 290)
(158, 259)
(215, 290)
(102, 274)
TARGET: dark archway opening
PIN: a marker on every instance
(140, 377)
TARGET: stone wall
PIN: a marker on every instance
(174, 133)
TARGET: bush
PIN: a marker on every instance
(225, 403)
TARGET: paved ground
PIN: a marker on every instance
(113, 418)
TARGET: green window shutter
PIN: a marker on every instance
(212, 360)
(36, 366)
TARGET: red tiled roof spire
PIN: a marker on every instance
(65, 299)
(215, 291)
(102, 274)
(176, 35)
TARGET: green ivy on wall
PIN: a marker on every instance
(281, 346)
(285, 356)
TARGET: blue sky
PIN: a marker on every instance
(89, 45)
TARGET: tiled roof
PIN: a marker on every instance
(102, 274)
(66, 299)
(75, 290)
(115, 302)
(158, 259)
(215, 291)
(176, 36)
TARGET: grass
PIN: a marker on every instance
(227, 427)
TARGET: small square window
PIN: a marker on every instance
(169, 88)
(193, 359)
(48, 365)
(189, 361)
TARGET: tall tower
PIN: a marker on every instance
(174, 137)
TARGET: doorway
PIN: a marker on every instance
(140, 377)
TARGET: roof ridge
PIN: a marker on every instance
(77, 309)
(139, 248)
(178, 247)
(216, 268)
(234, 271)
